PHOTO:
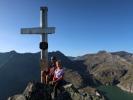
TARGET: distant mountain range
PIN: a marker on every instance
(115, 68)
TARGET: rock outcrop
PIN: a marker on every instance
(38, 91)
(126, 82)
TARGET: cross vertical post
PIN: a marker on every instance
(44, 38)
(43, 30)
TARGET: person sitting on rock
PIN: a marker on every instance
(58, 77)
(49, 74)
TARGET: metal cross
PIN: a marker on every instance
(43, 30)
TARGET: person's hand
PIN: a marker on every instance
(50, 82)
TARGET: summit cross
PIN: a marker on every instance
(43, 30)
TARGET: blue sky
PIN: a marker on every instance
(82, 26)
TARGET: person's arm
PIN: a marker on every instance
(61, 76)
(48, 71)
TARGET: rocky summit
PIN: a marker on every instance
(38, 91)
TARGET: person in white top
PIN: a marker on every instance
(58, 77)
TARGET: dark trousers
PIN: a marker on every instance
(57, 86)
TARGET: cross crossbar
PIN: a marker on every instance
(38, 30)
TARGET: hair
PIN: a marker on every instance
(54, 58)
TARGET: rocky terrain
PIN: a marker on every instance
(90, 70)
(38, 91)
(111, 68)
(16, 70)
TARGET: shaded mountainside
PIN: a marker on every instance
(16, 70)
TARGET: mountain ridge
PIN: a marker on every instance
(87, 70)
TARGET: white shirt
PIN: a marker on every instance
(58, 73)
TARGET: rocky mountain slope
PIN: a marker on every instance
(16, 70)
(116, 68)
(111, 68)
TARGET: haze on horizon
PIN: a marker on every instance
(82, 26)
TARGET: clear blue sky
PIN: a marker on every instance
(82, 26)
